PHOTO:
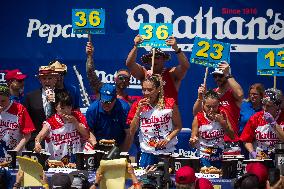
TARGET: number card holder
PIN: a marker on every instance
(209, 52)
(155, 34)
(88, 21)
(270, 61)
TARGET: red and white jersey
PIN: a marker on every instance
(261, 134)
(230, 107)
(211, 135)
(63, 138)
(14, 122)
(155, 125)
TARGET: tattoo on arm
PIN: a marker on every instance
(94, 80)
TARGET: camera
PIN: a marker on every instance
(160, 178)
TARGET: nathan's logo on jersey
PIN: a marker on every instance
(65, 138)
(268, 25)
(8, 125)
(266, 136)
(164, 119)
(212, 134)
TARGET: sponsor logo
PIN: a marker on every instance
(109, 78)
(51, 31)
(268, 26)
(185, 153)
(177, 165)
(91, 161)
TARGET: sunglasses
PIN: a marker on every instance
(218, 75)
(107, 102)
(123, 77)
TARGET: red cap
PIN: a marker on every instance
(259, 170)
(14, 74)
(185, 175)
(203, 183)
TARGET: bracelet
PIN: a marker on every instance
(178, 51)
(168, 139)
(96, 184)
(17, 185)
(229, 76)
(45, 185)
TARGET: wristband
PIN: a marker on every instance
(168, 139)
(229, 76)
(96, 184)
(178, 51)
(17, 185)
(45, 186)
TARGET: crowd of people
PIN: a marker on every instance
(224, 122)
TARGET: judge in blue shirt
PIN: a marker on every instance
(106, 117)
(249, 107)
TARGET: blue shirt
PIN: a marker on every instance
(108, 125)
(246, 112)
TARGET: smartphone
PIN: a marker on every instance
(273, 176)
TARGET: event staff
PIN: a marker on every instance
(64, 131)
(249, 107)
(158, 120)
(231, 97)
(16, 125)
(171, 76)
(265, 128)
(121, 78)
(106, 117)
(208, 129)
(40, 102)
(15, 80)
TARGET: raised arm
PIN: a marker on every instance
(136, 70)
(194, 133)
(84, 132)
(181, 69)
(225, 123)
(234, 85)
(94, 80)
(197, 107)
